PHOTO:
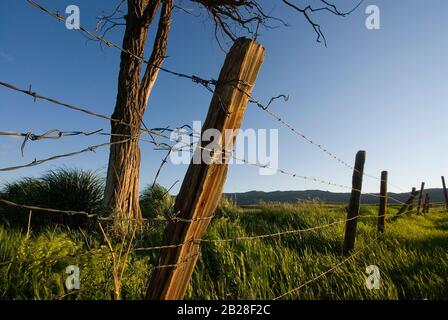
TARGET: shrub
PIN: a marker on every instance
(64, 189)
(155, 201)
(225, 207)
(72, 189)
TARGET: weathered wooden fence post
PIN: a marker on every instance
(203, 183)
(445, 193)
(355, 201)
(426, 204)
(383, 203)
(412, 198)
(420, 197)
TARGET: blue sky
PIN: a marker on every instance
(384, 91)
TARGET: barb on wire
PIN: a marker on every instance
(54, 134)
(285, 98)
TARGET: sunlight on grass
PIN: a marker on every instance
(412, 256)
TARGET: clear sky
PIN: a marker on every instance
(384, 91)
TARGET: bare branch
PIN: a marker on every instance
(327, 7)
(112, 19)
(158, 52)
(233, 17)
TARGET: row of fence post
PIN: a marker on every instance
(423, 204)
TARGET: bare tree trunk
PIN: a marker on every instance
(122, 184)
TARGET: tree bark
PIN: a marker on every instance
(122, 184)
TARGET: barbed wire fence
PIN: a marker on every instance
(157, 134)
(60, 134)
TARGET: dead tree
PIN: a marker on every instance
(122, 193)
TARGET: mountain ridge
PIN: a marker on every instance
(256, 197)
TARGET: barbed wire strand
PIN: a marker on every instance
(338, 265)
(36, 162)
(38, 96)
(172, 218)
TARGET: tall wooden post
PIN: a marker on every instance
(420, 197)
(203, 182)
(355, 201)
(445, 193)
(383, 203)
(426, 204)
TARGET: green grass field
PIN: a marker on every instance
(412, 257)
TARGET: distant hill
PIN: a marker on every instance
(255, 197)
